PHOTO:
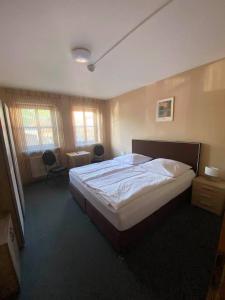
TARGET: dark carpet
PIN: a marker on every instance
(65, 256)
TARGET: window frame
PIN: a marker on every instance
(54, 126)
(85, 126)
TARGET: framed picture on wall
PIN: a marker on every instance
(164, 110)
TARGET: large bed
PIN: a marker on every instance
(125, 221)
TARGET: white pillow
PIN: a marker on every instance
(133, 159)
(166, 167)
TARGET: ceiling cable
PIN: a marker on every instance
(91, 67)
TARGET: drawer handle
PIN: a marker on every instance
(206, 188)
(205, 195)
(206, 204)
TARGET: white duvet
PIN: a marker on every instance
(91, 171)
(126, 185)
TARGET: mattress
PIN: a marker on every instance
(141, 207)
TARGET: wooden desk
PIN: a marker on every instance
(77, 159)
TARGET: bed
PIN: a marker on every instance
(124, 225)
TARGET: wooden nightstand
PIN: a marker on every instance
(209, 194)
(77, 159)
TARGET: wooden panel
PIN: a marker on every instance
(10, 200)
(9, 259)
(187, 153)
(14, 158)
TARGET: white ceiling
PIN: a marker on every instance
(36, 37)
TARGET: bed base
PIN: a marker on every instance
(122, 240)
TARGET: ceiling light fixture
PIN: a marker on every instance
(81, 55)
(91, 67)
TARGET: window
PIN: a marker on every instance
(39, 128)
(85, 127)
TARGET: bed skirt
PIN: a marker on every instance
(122, 240)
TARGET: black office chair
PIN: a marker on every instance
(50, 163)
(98, 153)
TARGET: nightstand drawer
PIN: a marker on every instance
(209, 193)
(207, 188)
(211, 202)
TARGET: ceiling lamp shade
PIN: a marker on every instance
(81, 55)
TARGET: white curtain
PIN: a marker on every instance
(50, 121)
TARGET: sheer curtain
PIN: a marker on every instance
(87, 118)
(36, 124)
(50, 121)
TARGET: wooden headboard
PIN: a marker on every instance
(188, 153)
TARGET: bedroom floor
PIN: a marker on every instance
(65, 256)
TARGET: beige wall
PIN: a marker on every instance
(199, 113)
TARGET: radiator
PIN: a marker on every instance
(37, 166)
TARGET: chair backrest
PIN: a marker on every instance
(49, 158)
(98, 150)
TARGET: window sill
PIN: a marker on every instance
(38, 151)
(86, 145)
